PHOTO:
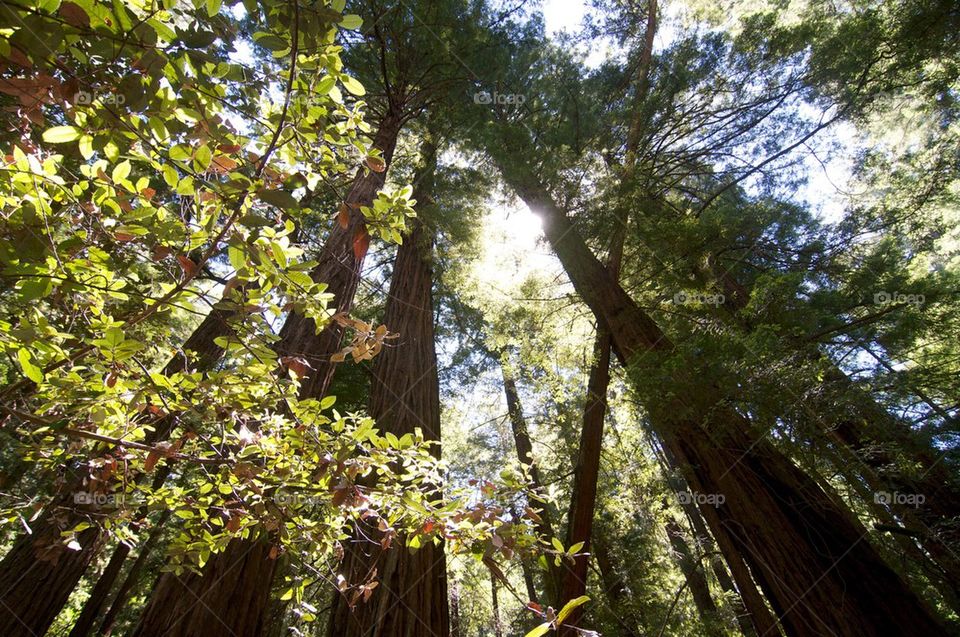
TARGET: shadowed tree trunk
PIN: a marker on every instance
(133, 576)
(696, 579)
(613, 586)
(411, 598)
(39, 561)
(870, 431)
(339, 266)
(810, 555)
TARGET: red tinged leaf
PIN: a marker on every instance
(74, 15)
(535, 607)
(228, 148)
(124, 237)
(148, 193)
(189, 267)
(343, 216)
(161, 252)
(152, 458)
(361, 242)
(376, 164)
(274, 552)
(297, 364)
(110, 380)
(222, 164)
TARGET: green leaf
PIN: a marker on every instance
(570, 606)
(213, 7)
(557, 544)
(351, 21)
(61, 134)
(86, 146)
(121, 171)
(542, 629)
(352, 85)
(279, 198)
(30, 370)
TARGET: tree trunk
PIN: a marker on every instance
(338, 266)
(524, 446)
(133, 575)
(696, 579)
(870, 431)
(212, 603)
(613, 586)
(247, 561)
(494, 599)
(411, 599)
(808, 552)
(24, 570)
(100, 592)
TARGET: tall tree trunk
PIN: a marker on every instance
(543, 524)
(248, 562)
(339, 266)
(212, 604)
(613, 586)
(38, 561)
(586, 473)
(809, 553)
(693, 573)
(411, 599)
(133, 576)
(870, 431)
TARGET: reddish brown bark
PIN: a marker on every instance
(411, 600)
(810, 555)
(132, 577)
(339, 267)
(212, 604)
(22, 573)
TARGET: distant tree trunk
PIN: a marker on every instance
(247, 561)
(133, 576)
(411, 599)
(613, 586)
(34, 563)
(808, 552)
(497, 626)
(693, 573)
(543, 524)
(455, 630)
(100, 592)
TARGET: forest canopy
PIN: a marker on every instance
(462, 318)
